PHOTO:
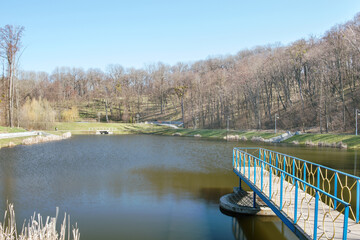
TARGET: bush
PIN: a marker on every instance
(37, 114)
(70, 115)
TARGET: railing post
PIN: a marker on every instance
(318, 177)
(296, 201)
(262, 174)
(316, 213)
(346, 218)
(276, 163)
(249, 166)
(234, 158)
(357, 200)
(270, 182)
(264, 156)
(254, 200)
(335, 190)
(284, 166)
(254, 171)
(305, 177)
(244, 163)
(281, 189)
(237, 160)
(293, 170)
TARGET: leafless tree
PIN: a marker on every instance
(10, 46)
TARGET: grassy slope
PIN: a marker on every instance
(351, 141)
(11, 130)
(213, 133)
(124, 128)
(121, 128)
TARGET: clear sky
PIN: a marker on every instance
(94, 34)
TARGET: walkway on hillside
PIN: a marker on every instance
(19, 134)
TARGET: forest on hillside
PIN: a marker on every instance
(310, 83)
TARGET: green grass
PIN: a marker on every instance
(121, 128)
(17, 141)
(351, 141)
(11, 130)
(213, 133)
(128, 128)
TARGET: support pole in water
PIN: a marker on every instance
(240, 184)
(254, 200)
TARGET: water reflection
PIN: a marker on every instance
(355, 162)
(247, 227)
(209, 186)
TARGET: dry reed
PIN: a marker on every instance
(36, 228)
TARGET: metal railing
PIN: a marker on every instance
(102, 129)
(300, 189)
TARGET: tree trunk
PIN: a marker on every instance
(106, 111)
(182, 111)
(11, 95)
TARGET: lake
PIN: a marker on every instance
(142, 186)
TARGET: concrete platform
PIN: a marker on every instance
(241, 202)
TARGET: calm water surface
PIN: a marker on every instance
(141, 187)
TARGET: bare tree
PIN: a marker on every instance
(10, 46)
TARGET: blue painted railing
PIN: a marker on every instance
(290, 184)
(345, 186)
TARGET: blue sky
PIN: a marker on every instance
(94, 34)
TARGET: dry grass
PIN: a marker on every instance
(36, 228)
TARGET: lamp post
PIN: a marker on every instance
(227, 124)
(276, 117)
(196, 121)
(227, 127)
(137, 117)
(356, 120)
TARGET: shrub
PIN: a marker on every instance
(37, 114)
(70, 115)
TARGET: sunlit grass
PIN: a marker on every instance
(118, 128)
(214, 133)
(351, 141)
(11, 130)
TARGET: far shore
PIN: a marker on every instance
(81, 128)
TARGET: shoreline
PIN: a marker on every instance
(305, 139)
(45, 137)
